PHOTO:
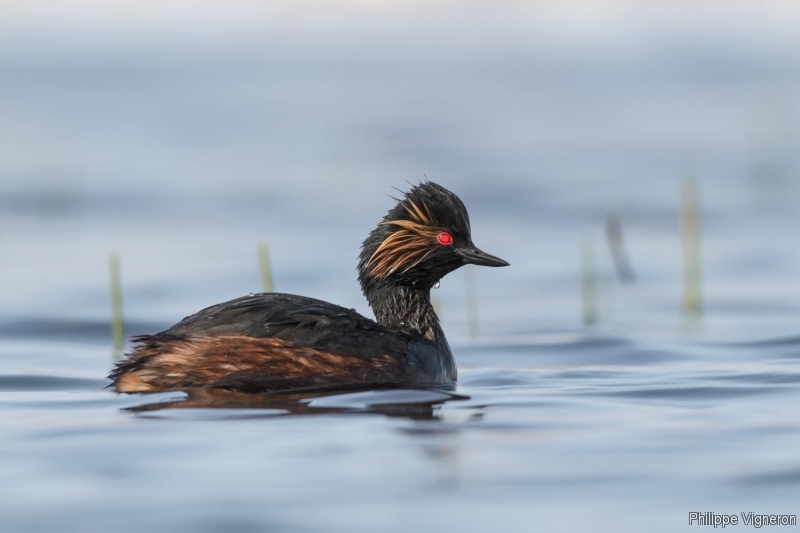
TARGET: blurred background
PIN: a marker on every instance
(180, 134)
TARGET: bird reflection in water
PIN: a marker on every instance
(396, 402)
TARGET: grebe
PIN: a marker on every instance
(281, 342)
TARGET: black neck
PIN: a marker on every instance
(406, 308)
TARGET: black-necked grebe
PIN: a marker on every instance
(282, 342)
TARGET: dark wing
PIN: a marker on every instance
(299, 320)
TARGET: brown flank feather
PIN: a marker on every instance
(241, 363)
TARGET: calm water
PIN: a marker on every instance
(181, 152)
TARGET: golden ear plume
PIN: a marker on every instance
(404, 249)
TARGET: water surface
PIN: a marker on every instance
(181, 152)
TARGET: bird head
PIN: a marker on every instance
(422, 238)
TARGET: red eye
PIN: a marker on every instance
(445, 238)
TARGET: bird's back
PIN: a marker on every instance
(299, 320)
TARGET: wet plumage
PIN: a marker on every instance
(281, 342)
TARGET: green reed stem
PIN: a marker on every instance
(264, 267)
(472, 304)
(588, 282)
(117, 334)
(690, 229)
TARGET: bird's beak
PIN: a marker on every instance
(473, 256)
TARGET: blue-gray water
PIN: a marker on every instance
(180, 150)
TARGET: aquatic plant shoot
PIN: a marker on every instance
(264, 268)
(588, 281)
(473, 318)
(117, 332)
(690, 232)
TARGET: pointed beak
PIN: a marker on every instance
(473, 256)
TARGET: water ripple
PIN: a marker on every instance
(32, 382)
